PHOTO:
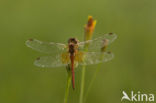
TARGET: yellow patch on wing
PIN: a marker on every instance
(79, 56)
(65, 58)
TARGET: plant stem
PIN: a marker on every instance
(92, 81)
(82, 83)
(67, 87)
(94, 77)
(83, 77)
(89, 28)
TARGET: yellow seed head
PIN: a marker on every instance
(89, 28)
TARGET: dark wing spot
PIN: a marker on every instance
(110, 33)
(31, 39)
(109, 52)
(38, 58)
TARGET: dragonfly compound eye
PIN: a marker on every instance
(73, 40)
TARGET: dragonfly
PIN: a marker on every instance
(72, 54)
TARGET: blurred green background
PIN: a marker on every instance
(133, 68)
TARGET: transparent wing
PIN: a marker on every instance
(45, 47)
(49, 61)
(96, 44)
(58, 61)
(96, 57)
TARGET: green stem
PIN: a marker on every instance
(94, 77)
(92, 81)
(67, 87)
(83, 77)
(82, 83)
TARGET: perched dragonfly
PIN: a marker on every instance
(72, 53)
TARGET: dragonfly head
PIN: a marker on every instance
(72, 41)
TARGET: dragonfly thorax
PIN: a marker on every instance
(72, 44)
(71, 48)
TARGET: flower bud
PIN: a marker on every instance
(89, 28)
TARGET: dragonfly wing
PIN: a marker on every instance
(97, 43)
(45, 47)
(96, 57)
(49, 61)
